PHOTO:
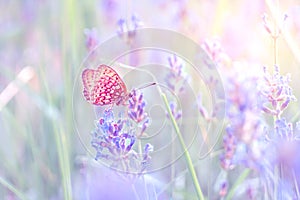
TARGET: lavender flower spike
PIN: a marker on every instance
(136, 110)
(276, 92)
(127, 29)
(109, 139)
(176, 78)
(92, 38)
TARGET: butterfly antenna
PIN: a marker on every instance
(145, 86)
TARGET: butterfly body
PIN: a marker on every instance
(103, 86)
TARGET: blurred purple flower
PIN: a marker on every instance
(127, 29)
(282, 154)
(109, 9)
(109, 5)
(269, 27)
(146, 155)
(92, 38)
(243, 108)
(224, 189)
(176, 78)
(229, 145)
(29, 11)
(215, 51)
(203, 111)
(243, 139)
(177, 114)
(276, 92)
(99, 182)
(285, 144)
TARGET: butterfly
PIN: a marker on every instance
(103, 86)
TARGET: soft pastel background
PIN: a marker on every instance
(42, 46)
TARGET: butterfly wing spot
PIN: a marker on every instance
(106, 101)
(103, 86)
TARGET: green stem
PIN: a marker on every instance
(240, 179)
(186, 153)
(19, 194)
(61, 145)
(173, 188)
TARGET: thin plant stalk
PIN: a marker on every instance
(62, 149)
(186, 153)
(289, 39)
(14, 190)
(240, 179)
(172, 166)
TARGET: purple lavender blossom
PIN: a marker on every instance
(127, 29)
(109, 5)
(282, 153)
(286, 143)
(283, 143)
(276, 92)
(177, 114)
(136, 107)
(146, 155)
(229, 145)
(110, 135)
(247, 142)
(243, 139)
(215, 51)
(92, 38)
(223, 190)
(176, 78)
(136, 111)
(203, 111)
(114, 139)
(243, 108)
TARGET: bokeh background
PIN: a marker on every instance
(42, 46)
